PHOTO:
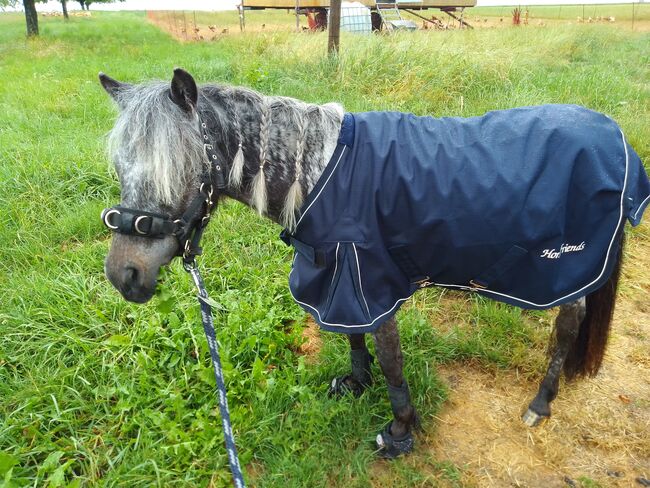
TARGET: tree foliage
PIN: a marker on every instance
(85, 4)
(8, 4)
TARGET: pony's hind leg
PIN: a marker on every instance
(567, 325)
(396, 438)
(360, 377)
(582, 330)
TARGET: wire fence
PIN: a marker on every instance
(356, 18)
(201, 25)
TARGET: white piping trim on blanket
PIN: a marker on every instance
(640, 207)
(336, 265)
(467, 288)
(323, 187)
(356, 256)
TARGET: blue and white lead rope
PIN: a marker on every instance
(208, 327)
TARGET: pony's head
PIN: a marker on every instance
(158, 154)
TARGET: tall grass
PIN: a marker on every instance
(95, 391)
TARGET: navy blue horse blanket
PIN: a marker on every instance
(525, 206)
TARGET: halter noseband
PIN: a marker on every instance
(188, 228)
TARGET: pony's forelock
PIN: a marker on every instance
(156, 144)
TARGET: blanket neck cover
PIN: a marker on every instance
(525, 206)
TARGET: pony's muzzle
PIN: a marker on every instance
(130, 281)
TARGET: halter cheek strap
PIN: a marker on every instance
(217, 169)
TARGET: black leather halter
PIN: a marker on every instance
(188, 228)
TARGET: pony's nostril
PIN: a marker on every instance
(131, 275)
(130, 281)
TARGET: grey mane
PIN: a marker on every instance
(158, 149)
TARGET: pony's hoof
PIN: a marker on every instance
(344, 385)
(533, 419)
(390, 447)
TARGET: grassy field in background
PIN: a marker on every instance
(622, 12)
(95, 391)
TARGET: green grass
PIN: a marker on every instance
(95, 391)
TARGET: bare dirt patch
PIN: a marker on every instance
(312, 341)
(600, 428)
(184, 27)
(191, 27)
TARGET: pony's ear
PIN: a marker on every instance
(112, 87)
(183, 91)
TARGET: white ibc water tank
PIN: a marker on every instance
(355, 17)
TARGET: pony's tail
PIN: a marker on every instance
(586, 355)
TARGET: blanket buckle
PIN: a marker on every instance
(424, 282)
(474, 284)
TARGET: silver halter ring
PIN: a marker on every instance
(106, 218)
(137, 223)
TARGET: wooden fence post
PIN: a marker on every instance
(297, 16)
(242, 19)
(334, 27)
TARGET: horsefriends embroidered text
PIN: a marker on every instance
(564, 248)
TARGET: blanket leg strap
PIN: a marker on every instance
(360, 378)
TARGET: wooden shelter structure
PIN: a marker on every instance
(319, 8)
(409, 5)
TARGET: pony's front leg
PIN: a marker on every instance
(567, 325)
(360, 378)
(396, 438)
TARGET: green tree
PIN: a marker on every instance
(7, 3)
(85, 4)
(31, 16)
